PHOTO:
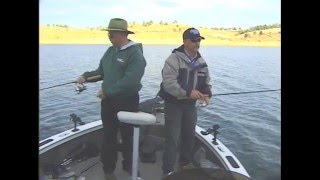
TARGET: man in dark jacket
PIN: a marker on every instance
(185, 79)
(121, 68)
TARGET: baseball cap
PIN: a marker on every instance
(191, 33)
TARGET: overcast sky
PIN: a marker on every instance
(207, 13)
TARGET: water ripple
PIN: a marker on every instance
(249, 123)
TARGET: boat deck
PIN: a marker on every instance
(62, 159)
(91, 169)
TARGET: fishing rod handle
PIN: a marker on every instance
(94, 78)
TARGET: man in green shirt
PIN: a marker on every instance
(121, 69)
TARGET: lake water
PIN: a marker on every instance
(250, 124)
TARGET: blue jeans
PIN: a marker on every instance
(180, 122)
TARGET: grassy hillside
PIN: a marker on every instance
(160, 34)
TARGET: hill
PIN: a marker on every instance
(161, 34)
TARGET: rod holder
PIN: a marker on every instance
(75, 119)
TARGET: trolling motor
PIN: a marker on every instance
(75, 119)
(213, 131)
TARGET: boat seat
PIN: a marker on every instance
(136, 118)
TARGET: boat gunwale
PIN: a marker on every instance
(68, 135)
(207, 140)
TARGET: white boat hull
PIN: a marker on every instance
(56, 149)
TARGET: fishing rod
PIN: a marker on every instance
(89, 79)
(58, 85)
(201, 103)
(246, 92)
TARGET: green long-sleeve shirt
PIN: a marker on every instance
(122, 70)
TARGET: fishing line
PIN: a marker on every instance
(89, 79)
(246, 92)
(58, 85)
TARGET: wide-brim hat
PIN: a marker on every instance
(118, 24)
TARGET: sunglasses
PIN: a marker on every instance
(195, 40)
(111, 35)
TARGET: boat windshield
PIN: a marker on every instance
(206, 174)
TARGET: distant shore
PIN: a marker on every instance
(250, 44)
(160, 36)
